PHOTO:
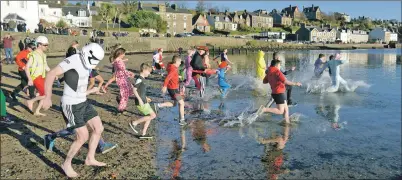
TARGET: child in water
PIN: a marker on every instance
(224, 86)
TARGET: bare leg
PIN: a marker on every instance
(147, 120)
(279, 110)
(37, 113)
(97, 129)
(286, 113)
(104, 88)
(91, 83)
(101, 81)
(30, 102)
(82, 137)
(166, 104)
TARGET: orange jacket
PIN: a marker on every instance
(21, 59)
(172, 79)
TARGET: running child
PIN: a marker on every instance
(224, 57)
(189, 69)
(142, 101)
(171, 85)
(224, 86)
(22, 59)
(157, 61)
(122, 79)
(277, 81)
(111, 60)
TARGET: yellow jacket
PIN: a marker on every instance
(260, 65)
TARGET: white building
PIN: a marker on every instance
(50, 12)
(383, 35)
(77, 16)
(352, 36)
(26, 10)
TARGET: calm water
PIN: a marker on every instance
(339, 135)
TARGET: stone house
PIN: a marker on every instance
(222, 22)
(260, 19)
(316, 34)
(281, 19)
(200, 23)
(312, 13)
(178, 20)
(292, 11)
(240, 18)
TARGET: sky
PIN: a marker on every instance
(374, 9)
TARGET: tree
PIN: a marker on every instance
(12, 24)
(63, 2)
(107, 11)
(78, 4)
(200, 7)
(61, 24)
(149, 20)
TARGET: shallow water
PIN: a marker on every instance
(338, 135)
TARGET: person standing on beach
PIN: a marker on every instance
(77, 111)
(35, 70)
(22, 59)
(277, 81)
(8, 48)
(3, 111)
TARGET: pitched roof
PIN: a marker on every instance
(14, 16)
(203, 23)
(289, 10)
(155, 8)
(311, 9)
(74, 10)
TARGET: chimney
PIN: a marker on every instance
(88, 6)
(312, 5)
(290, 6)
(162, 7)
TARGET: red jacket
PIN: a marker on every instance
(172, 79)
(8, 42)
(276, 80)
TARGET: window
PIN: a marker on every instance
(174, 24)
(168, 16)
(184, 17)
(81, 13)
(185, 25)
(54, 12)
(168, 25)
(174, 16)
(8, 3)
(22, 4)
(217, 19)
(42, 11)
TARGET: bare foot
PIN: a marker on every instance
(98, 93)
(94, 163)
(39, 114)
(69, 171)
(29, 104)
(104, 89)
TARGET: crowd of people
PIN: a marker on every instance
(80, 72)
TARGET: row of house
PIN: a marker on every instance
(326, 33)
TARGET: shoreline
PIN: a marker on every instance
(147, 45)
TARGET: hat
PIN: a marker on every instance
(223, 64)
(42, 40)
(205, 48)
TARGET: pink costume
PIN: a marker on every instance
(122, 79)
(189, 70)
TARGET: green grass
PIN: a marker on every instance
(132, 29)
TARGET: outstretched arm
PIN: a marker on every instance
(49, 85)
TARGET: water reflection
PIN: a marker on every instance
(274, 156)
(330, 111)
(176, 154)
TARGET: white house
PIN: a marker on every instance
(383, 35)
(26, 11)
(352, 36)
(50, 12)
(77, 16)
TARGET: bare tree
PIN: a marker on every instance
(200, 7)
